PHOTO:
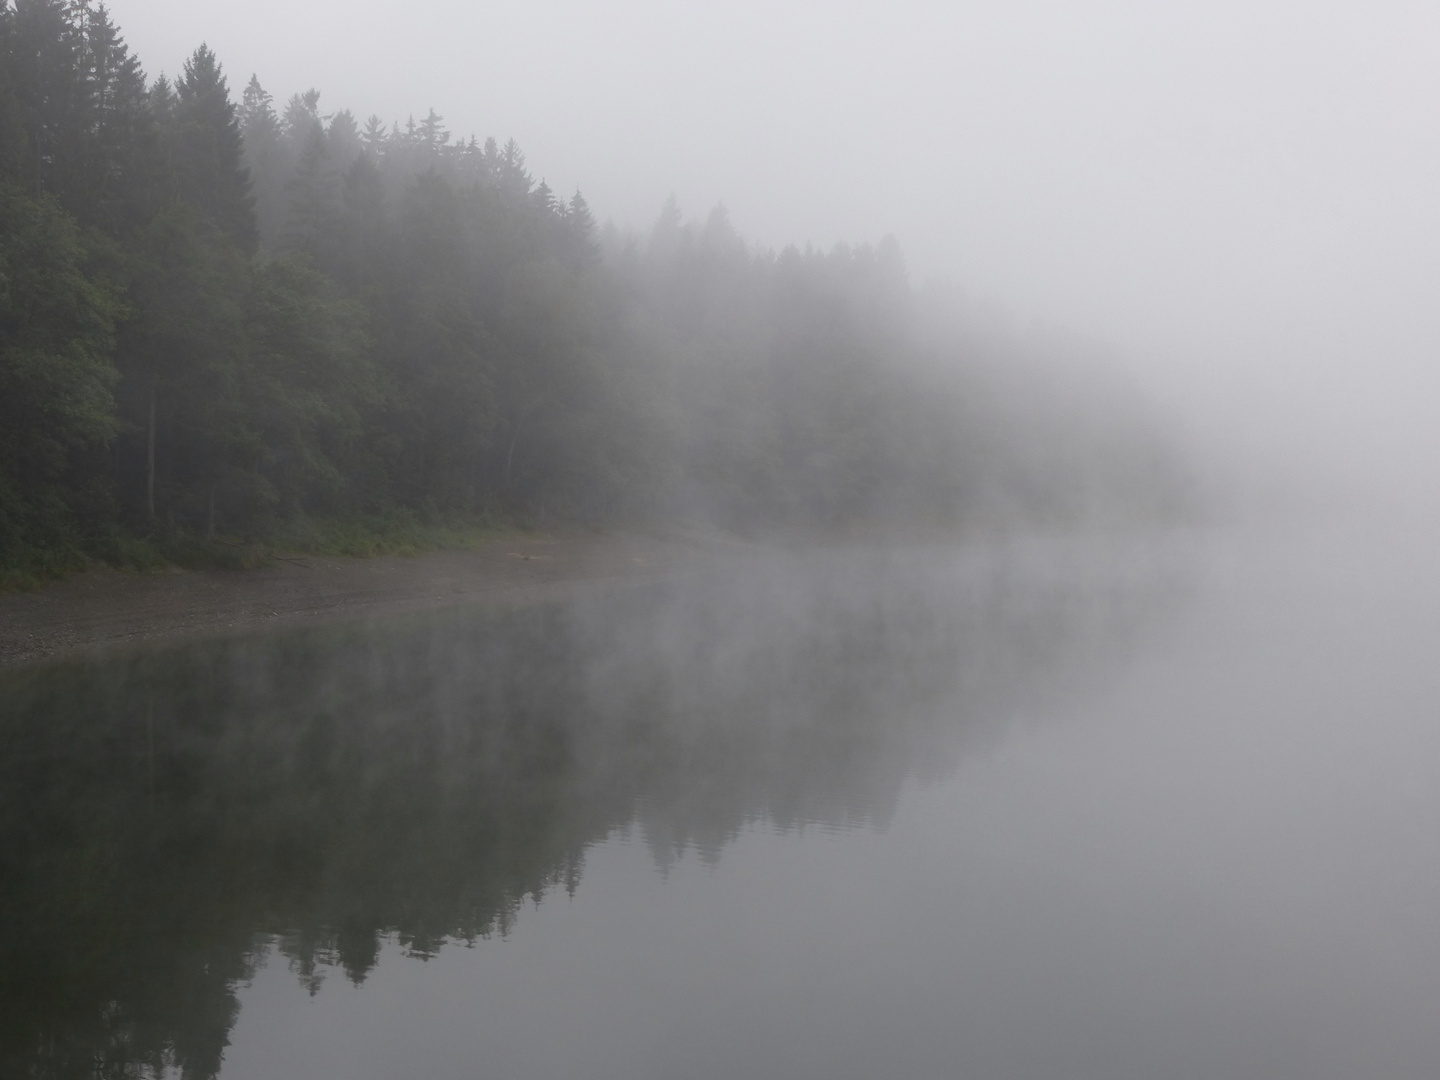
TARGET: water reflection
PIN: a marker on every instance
(167, 817)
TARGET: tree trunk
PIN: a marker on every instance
(150, 454)
(515, 437)
(510, 457)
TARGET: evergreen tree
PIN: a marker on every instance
(580, 230)
(57, 326)
(373, 136)
(208, 151)
(180, 356)
(510, 175)
(344, 140)
(302, 116)
(544, 199)
(308, 380)
(265, 158)
(45, 87)
(311, 196)
(440, 354)
(431, 138)
(319, 317)
(163, 102)
(124, 181)
(258, 122)
(364, 234)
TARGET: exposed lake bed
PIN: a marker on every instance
(105, 608)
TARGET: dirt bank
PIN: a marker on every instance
(108, 607)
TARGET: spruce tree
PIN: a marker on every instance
(265, 158)
(431, 137)
(57, 325)
(124, 185)
(511, 176)
(45, 89)
(208, 151)
(580, 230)
(311, 196)
(343, 136)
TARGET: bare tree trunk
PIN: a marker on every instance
(510, 457)
(150, 454)
(150, 750)
(515, 437)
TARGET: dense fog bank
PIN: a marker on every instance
(225, 320)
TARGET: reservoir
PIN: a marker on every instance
(1121, 809)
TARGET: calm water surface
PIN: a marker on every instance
(1044, 810)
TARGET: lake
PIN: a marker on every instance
(1138, 808)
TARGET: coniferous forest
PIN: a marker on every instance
(225, 318)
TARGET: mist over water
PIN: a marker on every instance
(1035, 808)
(416, 784)
(1075, 717)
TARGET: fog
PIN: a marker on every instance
(1234, 199)
(1035, 808)
(959, 733)
(429, 779)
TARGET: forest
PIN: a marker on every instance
(225, 320)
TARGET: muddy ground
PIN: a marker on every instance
(107, 608)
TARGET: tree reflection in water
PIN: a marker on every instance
(167, 817)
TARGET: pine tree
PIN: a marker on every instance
(258, 122)
(667, 232)
(12, 129)
(511, 176)
(162, 100)
(493, 162)
(302, 116)
(373, 137)
(544, 199)
(265, 158)
(208, 151)
(44, 83)
(470, 162)
(580, 230)
(125, 179)
(307, 380)
(364, 239)
(342, 136)
(57, 325)
(431, 137)
(311, 197)
(179, 356)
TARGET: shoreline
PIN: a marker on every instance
(104, 608)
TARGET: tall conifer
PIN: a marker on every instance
(208, 151)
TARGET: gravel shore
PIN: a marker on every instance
(106, 608)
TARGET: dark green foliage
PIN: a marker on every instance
(182, 356)
(203, 134)
(57, 326)
(307, 382)
(74, 117)
(327, 318)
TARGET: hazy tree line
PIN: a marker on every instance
(221, 316)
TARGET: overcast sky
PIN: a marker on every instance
(1241, 197)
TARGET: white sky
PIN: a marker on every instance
(1243, 197)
